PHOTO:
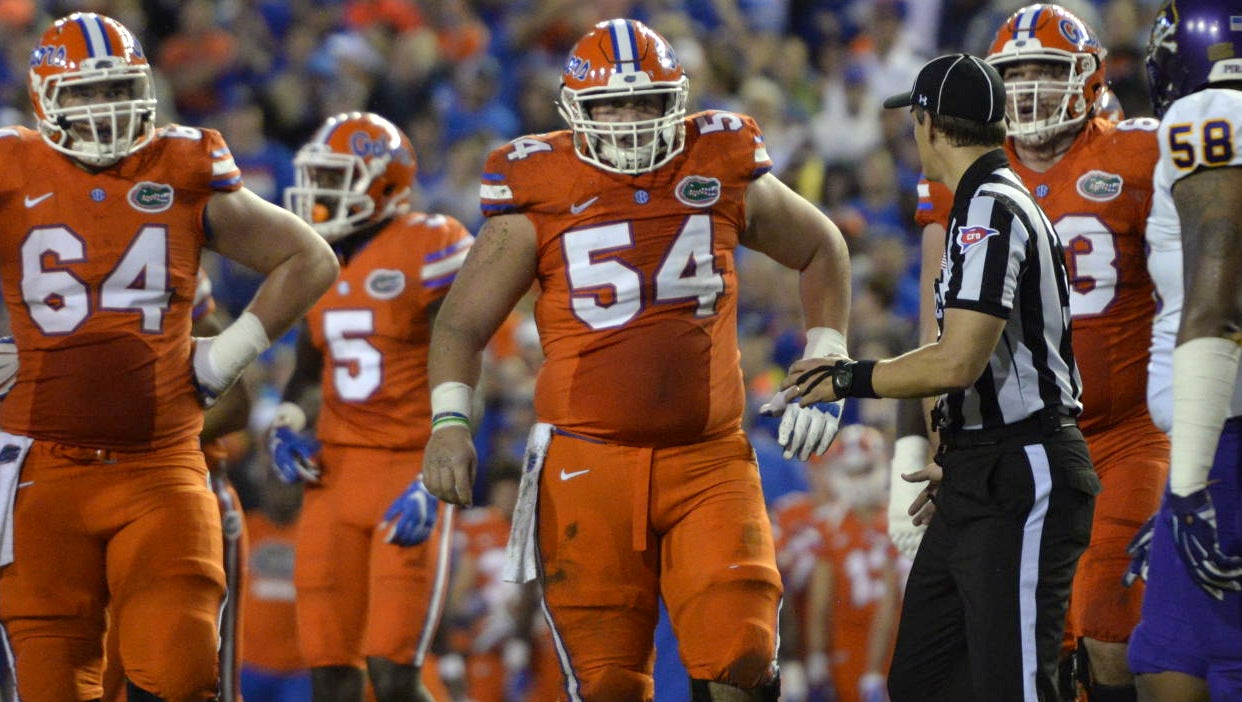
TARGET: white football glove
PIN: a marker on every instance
(219, 360)
(807, 431)
(804, 431)
(909, 455)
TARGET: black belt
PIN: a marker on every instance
(1033, 429)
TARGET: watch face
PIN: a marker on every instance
(842, 378)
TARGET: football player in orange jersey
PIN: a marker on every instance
(363, 602)
(853, 592)
(226, 416)
(796, 538)
(105, 495)
(644, 482)
(1093, 177)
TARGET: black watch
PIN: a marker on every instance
(843, 378)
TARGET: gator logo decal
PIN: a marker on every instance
(1100, 186)
(698, 191)
(385, 284)
(150, 197)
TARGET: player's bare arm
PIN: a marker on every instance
(1209, 205)
(499, 269)
(949, 364)
(793, 232)
(298, 263)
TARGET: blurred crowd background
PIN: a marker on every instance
(463, 76)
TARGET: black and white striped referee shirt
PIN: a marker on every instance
(1003, 258)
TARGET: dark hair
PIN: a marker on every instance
(964, 132)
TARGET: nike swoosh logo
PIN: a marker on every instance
(28, 483)
(570, 476)
(575, 208)
(32, 201)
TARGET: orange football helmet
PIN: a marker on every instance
(621, 58)
(857, 465)
(1048, 34)
(357, 169)
(90, 85)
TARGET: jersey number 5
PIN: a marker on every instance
(59, 301)
(606, 292)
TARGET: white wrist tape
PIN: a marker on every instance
(909, 455)
(450, 405)
(911, 451)
(234, 348)
(824, 341)
(1204, 371)
(289, 414)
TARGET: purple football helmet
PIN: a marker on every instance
(1193, 43)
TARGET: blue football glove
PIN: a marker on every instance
(1194, 534)
(293, 455)
(1140, 553)
(411, 519)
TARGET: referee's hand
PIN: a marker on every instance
(811, 380)
(924, 506)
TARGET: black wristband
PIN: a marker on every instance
(860, 380)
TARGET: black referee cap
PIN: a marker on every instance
(957, 85)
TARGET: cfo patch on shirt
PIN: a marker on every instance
(969, 236)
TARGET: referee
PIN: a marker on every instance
(1013, 485)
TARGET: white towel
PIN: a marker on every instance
(13, 450)
(521, 563)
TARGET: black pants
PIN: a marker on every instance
(985, 603)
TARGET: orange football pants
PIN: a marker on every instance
(142, 526)
(358, 596)
(1132, 461)
(619, 526)
(114, 673)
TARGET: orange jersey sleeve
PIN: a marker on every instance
(638, 307)
(1097, 197)
(99, 275)
(935, 203)
(373, 328)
